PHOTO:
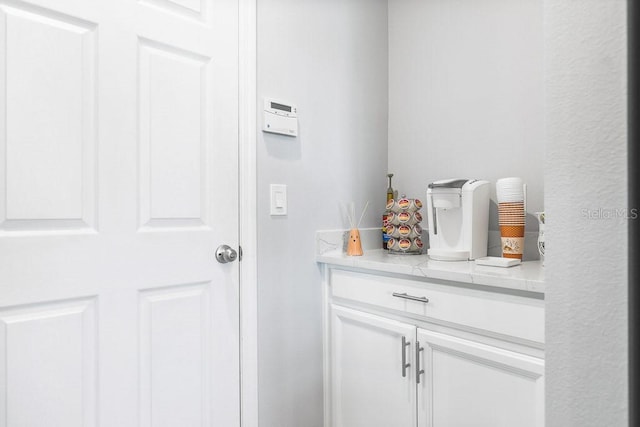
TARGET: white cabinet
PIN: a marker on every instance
(469, 384)
(450, 357)
(368, 387)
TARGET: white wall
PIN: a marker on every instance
(466, 94)
(330, 58)
(586, 268)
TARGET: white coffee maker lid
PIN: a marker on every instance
(448, 183)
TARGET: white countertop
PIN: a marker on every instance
(527, 276)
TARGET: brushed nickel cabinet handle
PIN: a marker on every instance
(405, 365)
(418, 370)
(410, 297)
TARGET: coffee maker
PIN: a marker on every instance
(458, 219)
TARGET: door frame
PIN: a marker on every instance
(247, 170)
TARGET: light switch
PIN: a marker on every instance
(278, 199)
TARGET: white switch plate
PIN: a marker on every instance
(278, 199)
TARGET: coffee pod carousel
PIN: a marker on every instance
(403, 226)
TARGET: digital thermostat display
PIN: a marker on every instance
(280, 117)
(281, 106)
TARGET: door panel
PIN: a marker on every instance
(175, 359)
(368, 389)
(191, 9)
(41, 381)
(174, 168)
(47, 77)
(118, 180)
(470, 384)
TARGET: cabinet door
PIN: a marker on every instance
(470, 384)
(368, 388)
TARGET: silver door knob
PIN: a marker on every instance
(225, 254)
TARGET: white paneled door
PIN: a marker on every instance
(118, 180)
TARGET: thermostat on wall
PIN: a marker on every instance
(280, 117)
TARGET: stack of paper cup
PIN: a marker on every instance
(511, 193)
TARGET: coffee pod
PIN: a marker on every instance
(392, 230)
(414, 205)
(416, 244)
(392, 205)
(404, 230)
(404, 244)
(404, 218)
(409, 219)
(404, 203)
(385, 221)
(393, 218)
(409, 205)
(415, 218)
(392, 244)
(416, 231)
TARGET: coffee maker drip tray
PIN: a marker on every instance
(448, 255)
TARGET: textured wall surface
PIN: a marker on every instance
(330, 58)
(585, 182)
(466, 94)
